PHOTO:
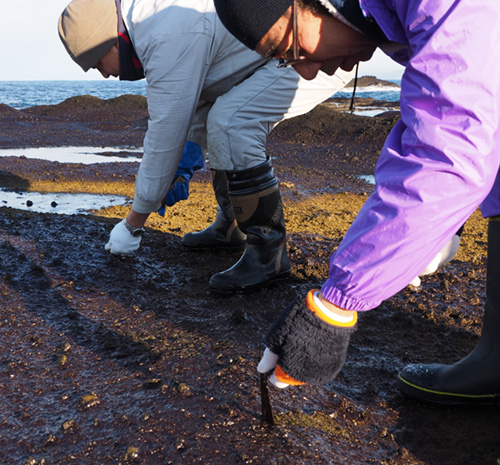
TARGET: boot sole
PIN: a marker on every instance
(250, 287)
(444, 398)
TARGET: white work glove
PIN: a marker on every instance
(121, 241)
(446, 255)
(267, 363)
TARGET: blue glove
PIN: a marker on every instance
(191, 160)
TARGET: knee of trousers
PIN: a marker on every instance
(235, 141)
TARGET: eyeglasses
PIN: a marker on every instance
(284, 62)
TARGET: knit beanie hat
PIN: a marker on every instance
(88, 30)
(250, 20)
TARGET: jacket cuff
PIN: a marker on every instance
(143, 207)
(338, 298)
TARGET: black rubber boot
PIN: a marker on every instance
(475, 378)
(223, 233)
(256, 201)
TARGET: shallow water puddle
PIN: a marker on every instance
(85, 155)
(368, 111)
(369, 178)
(60, 203)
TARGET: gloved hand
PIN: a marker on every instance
(307, 344)
(191, 160)
(121, 241)
(446, 255)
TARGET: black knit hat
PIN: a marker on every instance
(250, 20)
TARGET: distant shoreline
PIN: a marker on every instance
(371, 81)
(24, 94)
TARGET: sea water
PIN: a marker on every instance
(387, 93)
(23, 94)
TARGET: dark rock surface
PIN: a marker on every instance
(108, 360)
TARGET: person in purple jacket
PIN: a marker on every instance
(439, 164)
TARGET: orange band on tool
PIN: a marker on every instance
(284, 378)
(327, 319)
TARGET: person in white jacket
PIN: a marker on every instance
(204, 86)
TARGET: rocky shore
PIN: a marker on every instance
(109, 360)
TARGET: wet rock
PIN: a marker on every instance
(65, 346)
(50, 440)
(243, 456)
(14, 182)
(181, 445)
(89, 400)
(132, 452)
(176, 386)
(33, 461)
(154, 383)
(69, 425)
(182, 388)
(239, 316)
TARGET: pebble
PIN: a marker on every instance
(132, 452)
(182, 388)
(152, 383)
(89, 400)
(69, 424)
(65, 346)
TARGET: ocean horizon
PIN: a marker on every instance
(24, 94)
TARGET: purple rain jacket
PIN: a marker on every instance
(440, 162)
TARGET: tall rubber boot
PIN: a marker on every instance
(475, 378)
(223, 233)
(256, 201)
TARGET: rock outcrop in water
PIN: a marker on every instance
(372, 81)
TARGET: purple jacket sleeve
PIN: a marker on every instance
(440, 161)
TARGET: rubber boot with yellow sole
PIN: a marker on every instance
(475, 378)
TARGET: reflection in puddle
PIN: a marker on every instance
(63, 204)
(85, 155)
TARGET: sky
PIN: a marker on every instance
(30, 48)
